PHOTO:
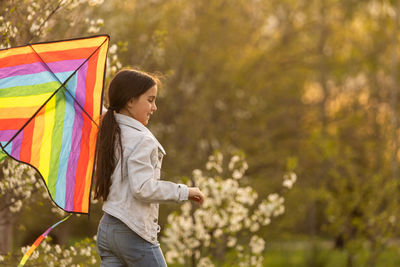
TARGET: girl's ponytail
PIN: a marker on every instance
(109, 133)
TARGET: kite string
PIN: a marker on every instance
(38, 241)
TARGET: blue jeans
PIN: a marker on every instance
(119, 246)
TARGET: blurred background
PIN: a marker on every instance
(309, 86)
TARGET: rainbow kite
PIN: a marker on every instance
(50, 105)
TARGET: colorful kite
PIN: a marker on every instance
(50, 105)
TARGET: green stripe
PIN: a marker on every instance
(56, 142)
(2, 155)
(27, 90)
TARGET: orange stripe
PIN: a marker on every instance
(16, 113)
(37, 138)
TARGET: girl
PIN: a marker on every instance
(128, 163)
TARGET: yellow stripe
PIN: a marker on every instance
(15, 51)
(67, 45)
(45, 150)
(37, 138)
(23, 101)
(99, 81)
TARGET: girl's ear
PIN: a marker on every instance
(130, 103)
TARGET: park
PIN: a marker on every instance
(285, 114)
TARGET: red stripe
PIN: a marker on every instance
(47, 57)
(12, 124)
(26, 145)
(91, 82)
(38, 240)
(82, 164)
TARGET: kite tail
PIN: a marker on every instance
(38, 241)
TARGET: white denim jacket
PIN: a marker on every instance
(134, 197)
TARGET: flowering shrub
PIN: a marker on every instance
(82, 253)
(228, 221)
(18, 183)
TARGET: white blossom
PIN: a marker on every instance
(113, 49)
(96, 2)
(257, 244)
(205, 262)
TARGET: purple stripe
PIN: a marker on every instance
(6, 135)
(25, 69)
(16, 146)
(47, 232)
(76, 139)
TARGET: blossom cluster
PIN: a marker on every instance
(113, 62)
(227, 221)
(82, 253)
(18, 183)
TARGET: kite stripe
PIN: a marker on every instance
(57, 131)
(11, 124)
(50, 57)
(26, 146)
(39, 89)
(37, 67)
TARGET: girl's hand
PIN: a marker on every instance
(196, 195)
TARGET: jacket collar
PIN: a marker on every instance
(133, 123)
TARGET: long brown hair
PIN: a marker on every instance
(125, 85)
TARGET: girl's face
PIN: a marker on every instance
(142, 107)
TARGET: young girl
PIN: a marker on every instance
(128, 163)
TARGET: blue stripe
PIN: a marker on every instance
(29, 79)
(69, 117)
(8, 148)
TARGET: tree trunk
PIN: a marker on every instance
(394, 95)
(5, 231)
(5, 224)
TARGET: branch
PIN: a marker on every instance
(47, 19)
(16, 200)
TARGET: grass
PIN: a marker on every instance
(303, 254)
